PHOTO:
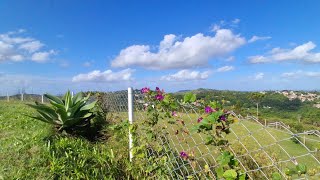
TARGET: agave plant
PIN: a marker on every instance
(67, 113)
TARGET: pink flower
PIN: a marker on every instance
(199, 119)
(145, 90)
(184, 155)
(223, 118)
(174, 113)
(208, 109)
(159, 97)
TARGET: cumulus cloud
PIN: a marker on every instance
(14, 46)
(258, 76)
(172, 53)
(301, 53)
(41, 57)
(186, 75)
(105, 76)
(225, 69)
(258, 38)
(258, 59)
(31, 46)
(300, 73)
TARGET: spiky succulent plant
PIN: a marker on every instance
(67, 112)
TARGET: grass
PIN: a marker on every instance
(30, 149)
(21, 143)
(25, 153)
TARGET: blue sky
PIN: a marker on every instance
(51, 46)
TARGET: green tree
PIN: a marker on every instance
(256, 97)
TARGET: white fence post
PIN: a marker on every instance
(42, 98)
(21, 96)
(130, 116)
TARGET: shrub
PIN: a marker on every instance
(72, 114)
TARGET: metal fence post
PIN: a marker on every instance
(130, 117)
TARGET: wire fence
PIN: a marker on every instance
(260, 148)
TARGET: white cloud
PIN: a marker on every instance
(258, 38)
(300, 73)
(14, 46)
(41, 57)
(186, 75)
(215, 28)
(231, 58)
(190, 52)
(258, 59)
(105, 76)
(225, 69)
(258, 76)
(31, 46)
(236, 21)
(301, 53)
(14, 40)
(16, 58)
(87, 63)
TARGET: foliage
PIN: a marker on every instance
(68, 113)
(273, 107)
(68, 157)
(149, 150)
(215, 124)
(228, 167)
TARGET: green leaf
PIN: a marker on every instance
(224, 158)
(77, 97)
(76, 108)
(219, 171)
(276, 176)
(68, 101)
(193, 98)
(54, 98)
(243, 176)
(57, 105)
(189, 97)
(213, 104)
(205, 124)
(89, 106)
(302, 168)
(209, 140)
(230, 174)
(212, 118)
(174, 105)
(40, 119)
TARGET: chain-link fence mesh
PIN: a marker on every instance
(261, 149)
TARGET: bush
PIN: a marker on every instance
(70, 114)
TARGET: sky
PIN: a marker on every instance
(52, 46)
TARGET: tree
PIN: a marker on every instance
(256, 97)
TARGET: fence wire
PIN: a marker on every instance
(261, 149)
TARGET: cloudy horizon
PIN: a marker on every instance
(114, 49)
